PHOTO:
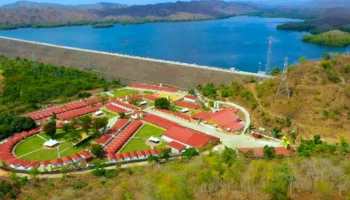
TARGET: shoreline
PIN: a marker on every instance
(144, 58)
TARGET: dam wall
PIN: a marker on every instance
(129, 69)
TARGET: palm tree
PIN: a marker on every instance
(251, 127)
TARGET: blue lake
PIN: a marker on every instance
(239, 42)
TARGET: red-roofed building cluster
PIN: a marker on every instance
(142, 154)
(150, 97)
(119, 107)
(78, 112)
(186, 104)
(179, 115)
(189, 137)
(226, 118)
(119, 141)
(191, 98)
(164, 123)
(41, 116)
(155, 87)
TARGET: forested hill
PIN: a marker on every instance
(29, 14)
(26, 85)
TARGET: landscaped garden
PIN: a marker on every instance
(32, 148)
(139, 141)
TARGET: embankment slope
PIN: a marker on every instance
(127, 69)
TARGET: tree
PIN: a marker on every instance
(228, 156)
(100, 123)
(326, 56)
(33, 172)
(153, 158)
(275, 71)
(66, 127)
(53, 116)
(302, 59)
(50, 129)
(85, 122)
(97, 150)
(64, 171)
(165, 154)
(192, 92)
(162, 103)
(251, 127)
(122, 115)
(276, 132)
(189, 153)
(293, 134)
(269, 152)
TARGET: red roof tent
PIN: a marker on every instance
(183, 116)
(235, 126)
(128, 106)
(120, 124)
(155, 87)
(66, 159)
(115, 109)
(191, 97)
(57, 161)
(84, 154)
(224, 116)
(164, 123)
(150, 97)
(259, 152)
(201, 115)
(190, 137)
(75, 157)
(176, 145)
(187, 104)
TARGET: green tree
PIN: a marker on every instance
(33, 172)
(192, 92)
(275, 71)
(97, 150)
(228, 156)
(85, 122)
(53, 116)
(302, 59)
(165, 154)
(153, 158)
(326, 56)
(50, 129)
(269, 152)
(162, 103)
(100, 123)
(189, 153)
(293, 134)
(64, 171)
(66, 127)
(122, 115)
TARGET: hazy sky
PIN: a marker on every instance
(129, 2)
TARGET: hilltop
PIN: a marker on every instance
(30, 14)
(319, 102)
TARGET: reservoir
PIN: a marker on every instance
(239, 42)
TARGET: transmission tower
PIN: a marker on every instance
(269, 54)
(283, 88)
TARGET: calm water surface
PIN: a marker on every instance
(239, 42)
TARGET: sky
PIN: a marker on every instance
(70, 2)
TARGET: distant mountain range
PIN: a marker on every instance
(31, 5)
(321, 15)
(25, 12)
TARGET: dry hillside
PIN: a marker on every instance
(319, 102)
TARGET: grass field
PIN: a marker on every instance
(123, 92)
(138, 142)
(31, 144)
(42, 155)
(172, 96)
(110, 114)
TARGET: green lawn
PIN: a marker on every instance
(74, 150)
(110, 114)
(123, 92)
(145, 132)
(29, 145)
(59, 136)
(41, 155)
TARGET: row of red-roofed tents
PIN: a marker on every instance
(41, 115)
(78, 112)
(159, 121)
(123, 137)
(142, 154)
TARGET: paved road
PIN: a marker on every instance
(230, 140)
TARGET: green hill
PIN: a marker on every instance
(331, 38)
